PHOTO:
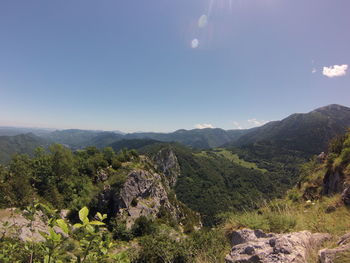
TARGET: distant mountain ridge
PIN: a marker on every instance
(305, 132)
(22, 143)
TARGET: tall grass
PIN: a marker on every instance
(282, 216)
(343, 257)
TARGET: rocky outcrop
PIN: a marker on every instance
(329, 255)
(166, 162)
(333, 182)
(346, 196)
(147, 192)
(15, 223)
(255, 246)
(144, 193)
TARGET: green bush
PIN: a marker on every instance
(120, 231)
(143, 226)
(162, 248)
(209, 245)
(345, 156)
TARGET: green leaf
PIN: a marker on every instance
(99, 215)
(83, 213)
(97, 223)
(62, 224)
(43, 234)
(78, 225)
(90, 229)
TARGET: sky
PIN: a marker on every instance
(163, 65)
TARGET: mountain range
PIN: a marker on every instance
(308, 133)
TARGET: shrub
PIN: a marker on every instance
(134, 202)
(345, 156)
(143, 226)
(209, 245)
(162, 248)
(120, 231)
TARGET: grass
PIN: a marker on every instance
(343, 257)
(231, 157)
(281, 216)
(284, 216)
(312, 256)
(268, 219)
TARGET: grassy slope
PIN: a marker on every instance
(305, 207)
(220, 152)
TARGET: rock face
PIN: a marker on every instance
(13, 223)
(143, 194)
(329, 255)
(166, 161)
(255, 246)
(147, 193)
(333, 182)
(346, 196)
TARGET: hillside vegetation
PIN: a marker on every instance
(93, 231)
(216, 181)
(319, 203)
(22, 143)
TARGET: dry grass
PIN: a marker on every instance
(283, 216)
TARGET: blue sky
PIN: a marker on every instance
(162, 65)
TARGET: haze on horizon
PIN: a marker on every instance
(162, 65)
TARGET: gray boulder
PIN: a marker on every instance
(328, 255)
(255, 246)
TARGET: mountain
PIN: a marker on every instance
(306, 132)
(319, 203)
(76, 139)
(12, 131)
(132, 144)
(23, 144)
(197, 138)
(215, 181)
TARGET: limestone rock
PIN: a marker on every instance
(14, 223)
(166, 161)
(251, 246)
(328, 255)
(346, 196)
(145, 194)
(333, 182)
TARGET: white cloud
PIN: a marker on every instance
(335, 71)
(204, 126)
(202, 21)
(237, 125)
(256, 122)
(195, 43)
(314, 71)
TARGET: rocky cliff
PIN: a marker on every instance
(147, 192)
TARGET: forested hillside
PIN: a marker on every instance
(308, 133)
(22, 144)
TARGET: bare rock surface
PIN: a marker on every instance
(346, 196)
(14, 224)
(145, 194)
(166, 161)
(255, 246)
(328, 255)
